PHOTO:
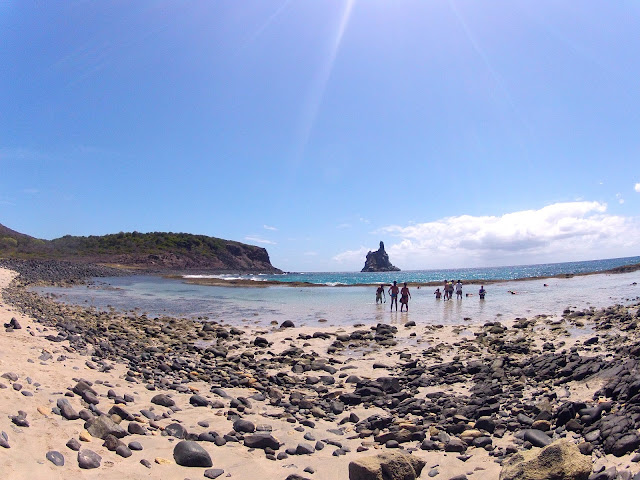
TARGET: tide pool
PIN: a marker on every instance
(158, 296)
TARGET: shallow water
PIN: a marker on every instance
(349, 305)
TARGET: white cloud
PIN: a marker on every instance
(251, 238)
(620, 199)
(558, 232)
(352, 257)
(268, 227)
(342, 226)
(310, 254)
(637, 187)
(31, 191)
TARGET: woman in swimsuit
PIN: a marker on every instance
(404, 297)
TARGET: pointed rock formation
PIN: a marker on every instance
(379, 262)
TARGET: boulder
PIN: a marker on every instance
(103, 426)
(386, 466)
(560, 460)
(190, 454)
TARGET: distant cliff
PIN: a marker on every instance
(157, 251)
(378, 261)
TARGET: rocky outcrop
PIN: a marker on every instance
(378, 261)
(386, 466)
(561, 460)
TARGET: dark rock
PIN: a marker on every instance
(163, 400)
(213, 472)
(378, 261)
(56, 458)
(66, 410)
(261, 440)
(387, 465)
(537, 438)
(244, 426)
(135, 446)
(74, 445)
(190, 454)
(198, 401)
(88, 459)
(103, 426)
(175, 430)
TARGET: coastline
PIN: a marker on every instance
(439, 403)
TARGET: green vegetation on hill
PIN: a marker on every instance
(156, 249)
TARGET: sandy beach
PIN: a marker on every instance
(460, 398)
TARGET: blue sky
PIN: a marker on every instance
(460, 133)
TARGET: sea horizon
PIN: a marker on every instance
(428, 276)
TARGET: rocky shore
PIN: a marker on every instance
(113, 395)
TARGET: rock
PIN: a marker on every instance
(123, 451)
(387, 466)
(56, 458)
(66, 410)
(103, 426)
(190, 454)
(198, 401)
(88, 459)
(244, 426)
(262, 441)
(163, 400)
(537, 438)
(378, 261)
(175, 430)
(213, 472)
(560, 460)
(287, 324)
(137, 446)
(74, 444)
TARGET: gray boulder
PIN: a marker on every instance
(386, 466)
(103, 426)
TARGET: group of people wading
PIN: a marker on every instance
(405, 295)
(394, 290)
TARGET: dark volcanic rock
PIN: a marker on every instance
(56, 458)
(88, 459)
(190, 454)
(378, 261)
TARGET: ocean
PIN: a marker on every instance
(338, 306)
(425, 276)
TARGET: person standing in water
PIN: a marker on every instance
(482, 292)
(404, 297)
(393, 294)
(380, 294)
(459, 290)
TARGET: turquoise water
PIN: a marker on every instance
(425, 276)
(347, 306)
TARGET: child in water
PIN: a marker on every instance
(437, 293)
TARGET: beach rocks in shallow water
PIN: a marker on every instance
(560, 460)
(88, 459)
(388, 466)
(190, 454)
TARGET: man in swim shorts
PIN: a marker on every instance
(404, 297)
(482, 292)
(393, 293)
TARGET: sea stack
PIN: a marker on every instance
(379, 261)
